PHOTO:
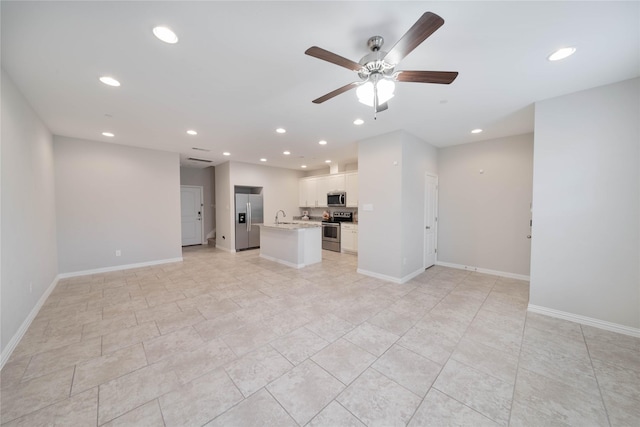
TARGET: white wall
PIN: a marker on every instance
(205, 178)
(586, 210)
(391, 171)
(224, 208)
(483, 218)
(111, 197)
(28, 217)
(279, 191)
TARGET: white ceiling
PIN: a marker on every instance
(239, 71)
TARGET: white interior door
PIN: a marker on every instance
(430, 219)
(191, 212)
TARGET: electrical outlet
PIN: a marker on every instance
(118, 252)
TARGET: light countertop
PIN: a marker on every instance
(291, 226)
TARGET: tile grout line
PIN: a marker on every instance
(515, 380)
(606, 411)
(280, 404)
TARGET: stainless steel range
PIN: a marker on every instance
(331, 230)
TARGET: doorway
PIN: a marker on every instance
(191, 205)
(430, 219)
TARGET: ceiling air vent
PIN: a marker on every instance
(199, 160)
(200, 149)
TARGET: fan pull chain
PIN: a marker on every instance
(375, 99)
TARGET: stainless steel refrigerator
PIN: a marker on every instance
(248, 213)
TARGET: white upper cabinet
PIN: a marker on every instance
(307, 193)
(335, 182)
(321, 192)
(351, 187)
(313, 190)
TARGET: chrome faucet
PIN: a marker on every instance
(283, 215)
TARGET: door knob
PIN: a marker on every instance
(529, 236)
(428, 228)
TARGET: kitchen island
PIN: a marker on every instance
(294, 245)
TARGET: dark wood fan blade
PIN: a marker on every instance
(325, 55)
(423, 28)
(441, 77)
(335, 93)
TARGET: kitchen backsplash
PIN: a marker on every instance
(315, 214)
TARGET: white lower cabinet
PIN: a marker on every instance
(349, 238)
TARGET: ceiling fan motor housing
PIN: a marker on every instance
(374, 62)
(375, 43)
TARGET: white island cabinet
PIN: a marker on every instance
(294, 245)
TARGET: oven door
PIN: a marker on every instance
(331, 236)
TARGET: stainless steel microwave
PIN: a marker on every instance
(337, 199)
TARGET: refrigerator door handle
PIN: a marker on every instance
(248, 216)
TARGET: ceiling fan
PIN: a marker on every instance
(377, 69)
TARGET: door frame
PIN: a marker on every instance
(201, 188)
(428, 175)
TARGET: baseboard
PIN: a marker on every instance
(283, 262)
(584, 320)
(400, 280)
(410, 276)
(11, 345)
(484, 270)
(378, 275)
(118, 268)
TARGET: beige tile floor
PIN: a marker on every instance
(234, 340)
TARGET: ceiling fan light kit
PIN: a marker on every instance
(377, 69)
(381, 89)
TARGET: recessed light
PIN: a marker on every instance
(286, 153)
(303, 166)
(358, 122)
(226, 153)
(192, 132)
(110, 81)
(165, 34)
(263, 160)
(323, 142)
(476, 131)
(109, 134)
(327, 161)
(281, 130)
(561, 53)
